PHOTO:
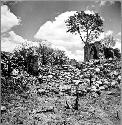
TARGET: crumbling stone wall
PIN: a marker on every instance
(93, 51)
(97, 50)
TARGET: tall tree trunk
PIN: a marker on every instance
(87, 52)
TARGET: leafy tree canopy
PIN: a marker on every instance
(90, 24)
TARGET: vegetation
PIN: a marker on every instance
(58, 90)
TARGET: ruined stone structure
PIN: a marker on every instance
(33, 63)
(93, 51)
(97, 50)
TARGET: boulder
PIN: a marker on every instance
(15, 72)
(40, 76)
(113, 83)
(50, 76)
(3, 108)
(99, 82)
(97, 70)
(119, 77)
(101, 88)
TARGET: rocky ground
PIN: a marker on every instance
(50, 98)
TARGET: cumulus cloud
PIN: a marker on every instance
(15, 38)
(103, 2)
(109, 32)
(104, 34)
(118, 44)
(76, 54)
(89, 12)
(118, 41)
(119, 34)
(55, 32)
(58, 27)
(10, 41)
(8, 19)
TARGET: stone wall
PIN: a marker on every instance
(93, 51)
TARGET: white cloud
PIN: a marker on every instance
(55, 33)
(103, 2)
(89, 12)
(10, 41)
(118, 41)
(8, 19)
(16, 38)
(104, 34)
(118, 44)
(7, 45)
(77, 54)
(92, 6)
(56, 29)
(119, 34)
(109, 32)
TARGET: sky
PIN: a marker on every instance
(32, 21)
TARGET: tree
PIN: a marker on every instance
(88, 26)
(108, 41)
(50, 56)
(26, 58)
